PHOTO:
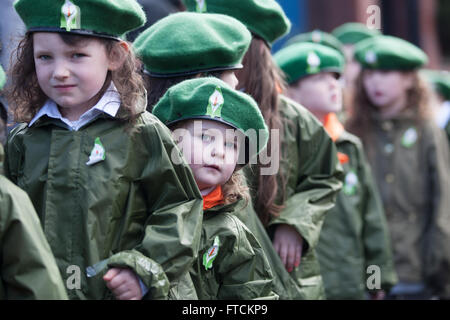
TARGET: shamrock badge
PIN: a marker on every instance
(371, 57)
(215, 104)
(211, 254)
(97, 154)
(70, 16)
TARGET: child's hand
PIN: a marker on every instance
(288, 243)
(123, 283)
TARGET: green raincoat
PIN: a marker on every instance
(27, 267)
(354, 235)
(412, 168)
(314, 177)
(231, 263)
(134, 205)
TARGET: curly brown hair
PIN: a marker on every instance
(263, 80)
(25, 96)
(361, 123)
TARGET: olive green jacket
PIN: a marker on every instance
(355, 235)
(239, 268)
(412, 168)
(140, 207)
(27, 267)
(314, 177)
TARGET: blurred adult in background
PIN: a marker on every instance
(155, 10)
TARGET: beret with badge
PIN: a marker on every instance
(317, 36)
(212, 99)
(305, 58)
(101, 18)
(354, 32)
(389, 53)
(188, 43)
(265, 18)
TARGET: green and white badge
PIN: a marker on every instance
(97, 154)
(215, 104)
(211, 254)
(201, 6)
(313, 61)
(350, 183)
(70, 16)
(409, 137)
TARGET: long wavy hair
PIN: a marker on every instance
(263, 80)
(360, 121)
(25, 96)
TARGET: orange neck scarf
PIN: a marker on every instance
(335, 128)
(214, 198)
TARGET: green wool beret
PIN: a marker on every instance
(265, 18)
(306, 58)
(389, 53)
(439, 80)
(188, 43)
(2, 78)
(212, 99)
(104, 18)
(354, 32)
(317, 36)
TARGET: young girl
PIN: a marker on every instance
(354, 235)
(96, 166)
(292, 201)
(205, 45)
(410, 160)
(213, 125)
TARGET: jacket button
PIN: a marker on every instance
(390, 178)
(389, 148)
(387, 125)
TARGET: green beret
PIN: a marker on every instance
(389, 53)
(265, 18)
(103, 18)
(306, 58)
(353, 32)
(2, 78)
(188, 43)
(317, 36)
(212, 99)
(439, 80)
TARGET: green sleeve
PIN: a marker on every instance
(173, 229)
(29, 272)
(319, 176)
(376, 240)
(244, 268)
(437, 253)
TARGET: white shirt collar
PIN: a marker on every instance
(109, 103)
(443, 114)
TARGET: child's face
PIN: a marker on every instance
(72, 76)
(320, 93)
(228, 76)
(211, 149)
(386, 89)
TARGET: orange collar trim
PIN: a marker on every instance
(214, 198)
(333, 126)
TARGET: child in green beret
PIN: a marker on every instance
(95, 164)
(204, 45)
(410, 160)
(292, 193)
(354, 235)
(218, 130)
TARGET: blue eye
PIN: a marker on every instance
(207, 137)
(78, 55)
(44, 57)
